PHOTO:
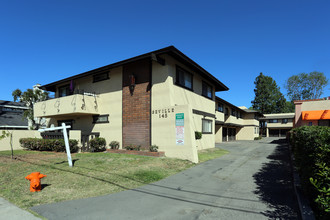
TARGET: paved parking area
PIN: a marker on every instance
(253, 181)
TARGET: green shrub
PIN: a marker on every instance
(198, 135)
(40, 144)
(258, 138)
(153, 148)
(97, 144)
(133, 147)
(114, 145)
(311, 148)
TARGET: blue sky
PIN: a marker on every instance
(44, 41)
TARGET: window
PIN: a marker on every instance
(66, 122)
(226, 111)
(233, 112)
(64, 91)
(324, 123)
(206, 126)
(100, 77)
(100, 119)
(183, 78)
(220, 107)
(207, 90)
(310, 123)
(284, 121)
(273, 121)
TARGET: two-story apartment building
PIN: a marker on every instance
(276, 125)
(235, 123)
(160, 98)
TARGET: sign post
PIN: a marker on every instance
(66, 139)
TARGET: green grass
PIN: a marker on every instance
(93, 174)
(209, 154)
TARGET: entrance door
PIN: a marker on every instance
(224, 134)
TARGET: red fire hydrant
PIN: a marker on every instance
(35, 183)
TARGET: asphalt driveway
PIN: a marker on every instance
(253, 181)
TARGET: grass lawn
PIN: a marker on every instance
(93, 174)
(209, 154)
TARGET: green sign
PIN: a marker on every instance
(179, 119)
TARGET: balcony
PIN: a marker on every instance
(78, 104)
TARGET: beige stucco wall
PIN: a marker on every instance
(17, 134)
(218, 134)
(163, 131)
(69, 105)
(166, 94)
(315, 105)
(108, 101)
(280, 125)
(247, 133)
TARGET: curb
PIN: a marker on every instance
(306, 212)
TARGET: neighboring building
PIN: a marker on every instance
(158, 98)
(276, 125)
(312, 112)
(235, 123)
(11, 116)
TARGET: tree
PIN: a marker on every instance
(305, 86)
(29, 97)
(268, 98)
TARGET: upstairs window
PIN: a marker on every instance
(220, 107)
(100, 77)
(64, 91)
(233, 112)
(226, 111)
(207, 90)
(273, 121)
(284, 121)
(183, 78)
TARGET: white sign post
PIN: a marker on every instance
(66, 139)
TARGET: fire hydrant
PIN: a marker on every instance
(35, 183)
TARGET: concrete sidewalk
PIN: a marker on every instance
(12, 212)
(253, 181)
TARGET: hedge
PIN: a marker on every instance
(97, 144)
(311, 148)
(40, 144)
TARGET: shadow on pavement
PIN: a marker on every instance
(275, 186)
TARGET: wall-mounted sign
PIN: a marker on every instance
(179, 128)
(163, 113)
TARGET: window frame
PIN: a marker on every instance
(67, 87)
(226, 111)
(209, 121)
(205, 85)
(100, 74)
(185, 72)
(96, 117)
(220, 104)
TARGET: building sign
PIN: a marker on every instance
(163, 113)
(179, 128)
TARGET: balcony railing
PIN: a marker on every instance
(77, 104)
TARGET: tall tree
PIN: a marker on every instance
(268, 97)
(29, 97)
(306, 86)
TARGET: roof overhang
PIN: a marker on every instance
(316, 115)
(171, 50)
